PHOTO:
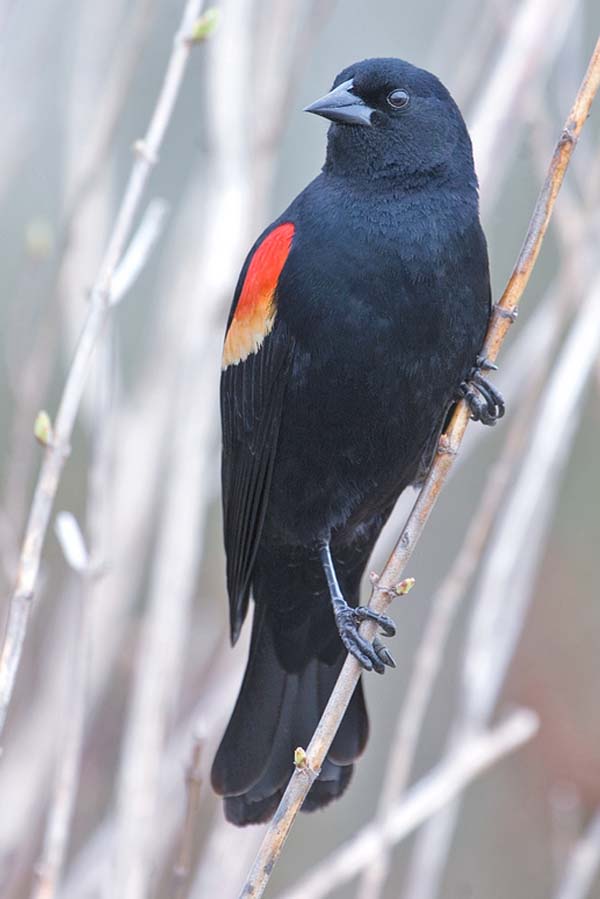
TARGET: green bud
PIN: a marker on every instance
(204, 26)
(405, 586)
(42, 428)
(300, 757)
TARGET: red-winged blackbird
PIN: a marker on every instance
(355, 325)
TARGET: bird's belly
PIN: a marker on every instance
(350, 443)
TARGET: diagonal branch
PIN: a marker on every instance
(387, 586)
(445, 606)
(449, 597)
(501, 599)
(68, 764)
(57, 448)
(584, 864)
(447, 780)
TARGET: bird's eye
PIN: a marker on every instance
(399, 99)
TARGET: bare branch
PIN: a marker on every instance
(536, 32)
(430, 794)
(92, 142)
(88, 565)
(193, 781)
(66, 777)
(192, 433)
(220, 677)
(445, 605)
(448, 598)
(139, 250)
(501, 597)
(56, 454)
(212, 878)
(492, 621)
(584, 864)
(165, 627)
(566, 816)
(384, 590)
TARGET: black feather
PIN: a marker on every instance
(252, 395)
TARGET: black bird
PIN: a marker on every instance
(355, 326)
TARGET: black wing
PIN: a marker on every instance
(252, 395)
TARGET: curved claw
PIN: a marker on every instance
(387, 625)
(371, 656)
(492, 393)
(360, 649)
(483, 364)
(383, 653)
(485, 402)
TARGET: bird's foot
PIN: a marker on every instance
(372, 656)
(485, 401)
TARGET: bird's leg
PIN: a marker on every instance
(370, 655)
(485, 401)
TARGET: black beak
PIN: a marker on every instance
(340, 105)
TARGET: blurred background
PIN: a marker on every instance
(137, 645)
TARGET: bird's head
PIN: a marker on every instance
(393, 120)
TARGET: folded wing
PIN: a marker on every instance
(257, 357)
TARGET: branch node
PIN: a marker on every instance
(511, 314)
(303, 765)
(568, 134)
(399, 589)
(193, 775)
(446, 447)
(143, 151)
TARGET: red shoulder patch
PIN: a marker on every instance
(255, 312)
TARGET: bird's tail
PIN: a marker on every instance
(277, 711)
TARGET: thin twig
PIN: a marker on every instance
(139, 250)
(231, 197)
(484, 671)
(91, 154)
(188, 486)
(88, 565)
(48, 871)
(212, 877)
(57, 451)
(447, 600)
(165, 627)
(536, 33)
(32, 786)
(445, 605)
(566, 816)
(503, 316)
(35, 360)
(584, 864)
(430, 794)
(220, 678)
(502, 597)
(193, 782)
